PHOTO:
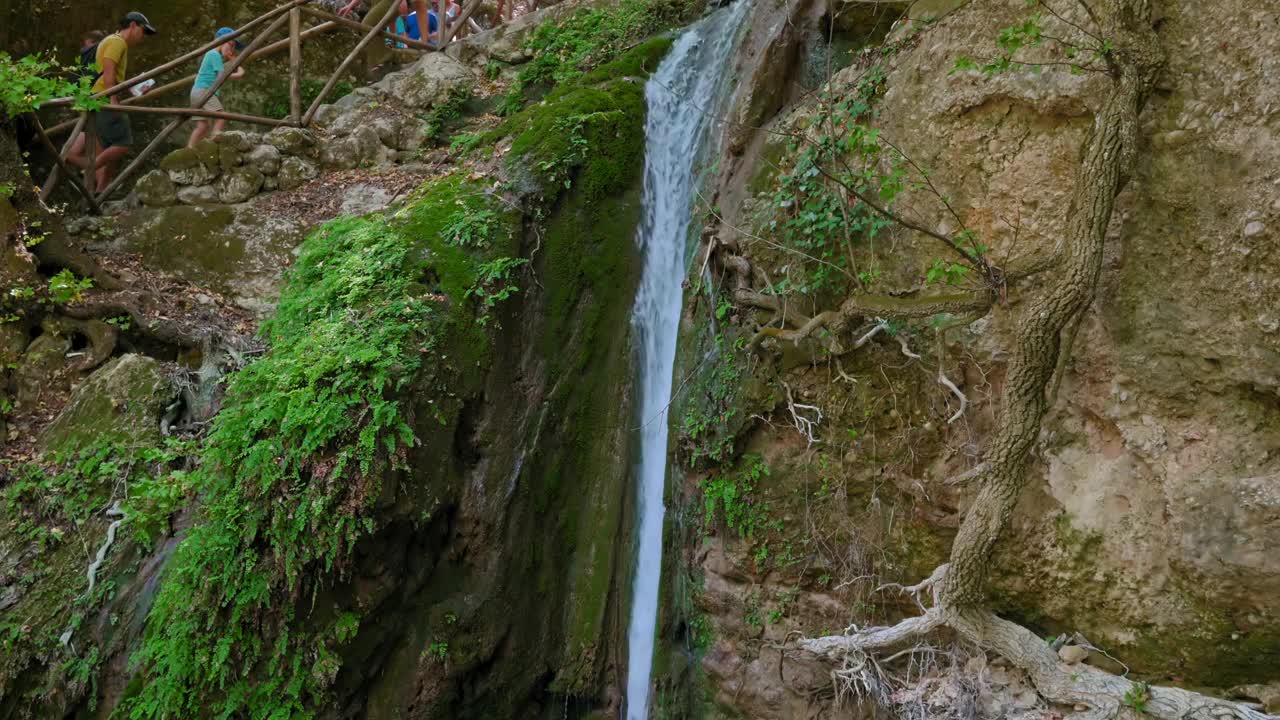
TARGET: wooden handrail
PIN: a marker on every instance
(195, 112)
(121, 87)
(459, 21)
(348, 22)
(200, 101)
(369, 37)
(167, 88)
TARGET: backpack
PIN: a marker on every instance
(88, 65)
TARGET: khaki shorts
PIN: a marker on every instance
(213, 104)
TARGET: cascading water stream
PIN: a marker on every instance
(679, 96)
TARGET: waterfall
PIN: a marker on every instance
(679, 96)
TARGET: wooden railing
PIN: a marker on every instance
(276, 19)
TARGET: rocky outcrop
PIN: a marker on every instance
(1152, 501)
(376, 126)
(122, 402)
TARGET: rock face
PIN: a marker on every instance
(1153, 503)
(375, 126)
(122, 401)
(233, 249)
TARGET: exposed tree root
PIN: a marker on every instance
(1101, 693)
(179, 332)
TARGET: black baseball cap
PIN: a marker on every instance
(141, 19)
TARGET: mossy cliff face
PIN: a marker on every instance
(413, 504)
(1152, 504)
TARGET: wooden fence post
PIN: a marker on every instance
(295, 65)
(52, 181)
(168, 130)
(61, 163)
(91, 154)
(369, 37)
(459, 21)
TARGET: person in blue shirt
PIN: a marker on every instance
(211, 66)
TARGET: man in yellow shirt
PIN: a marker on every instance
(112, 127)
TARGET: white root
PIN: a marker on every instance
(906, 350)
(964, 401)
(1100, 694)
(869, 334)
(803, 425)
(114, 512)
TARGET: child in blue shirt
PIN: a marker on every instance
(211, 66)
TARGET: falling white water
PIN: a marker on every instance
(680, 98)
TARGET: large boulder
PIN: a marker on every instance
(294, 172)
(264, 158)
(292, 141)
(428, 82)
(156, 189)
(341, 154)
(120, 402)
(235, 250)
(186, 166)
(239, 184)
(401, 133)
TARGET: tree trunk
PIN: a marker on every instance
(1106, 161)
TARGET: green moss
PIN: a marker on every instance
(592, 36)
(291, 472)
(584, 135)
(1214, 652)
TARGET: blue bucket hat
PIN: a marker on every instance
(224, 31)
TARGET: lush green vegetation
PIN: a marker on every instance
(591, 37)
(292, 467)
(732, 496)
(28, 82)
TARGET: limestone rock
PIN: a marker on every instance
(400, 133)
(156, 189)
(198, 195)
(188, 167)
(264, 158)
(362, 198)
(229, 158)
(42, 367)
(342, 154)
(238, 140)
(1073, 654)
(234, 250)
(428, 82)
(294, 172)
(292, 141)
(121, 401)
(239, 185)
